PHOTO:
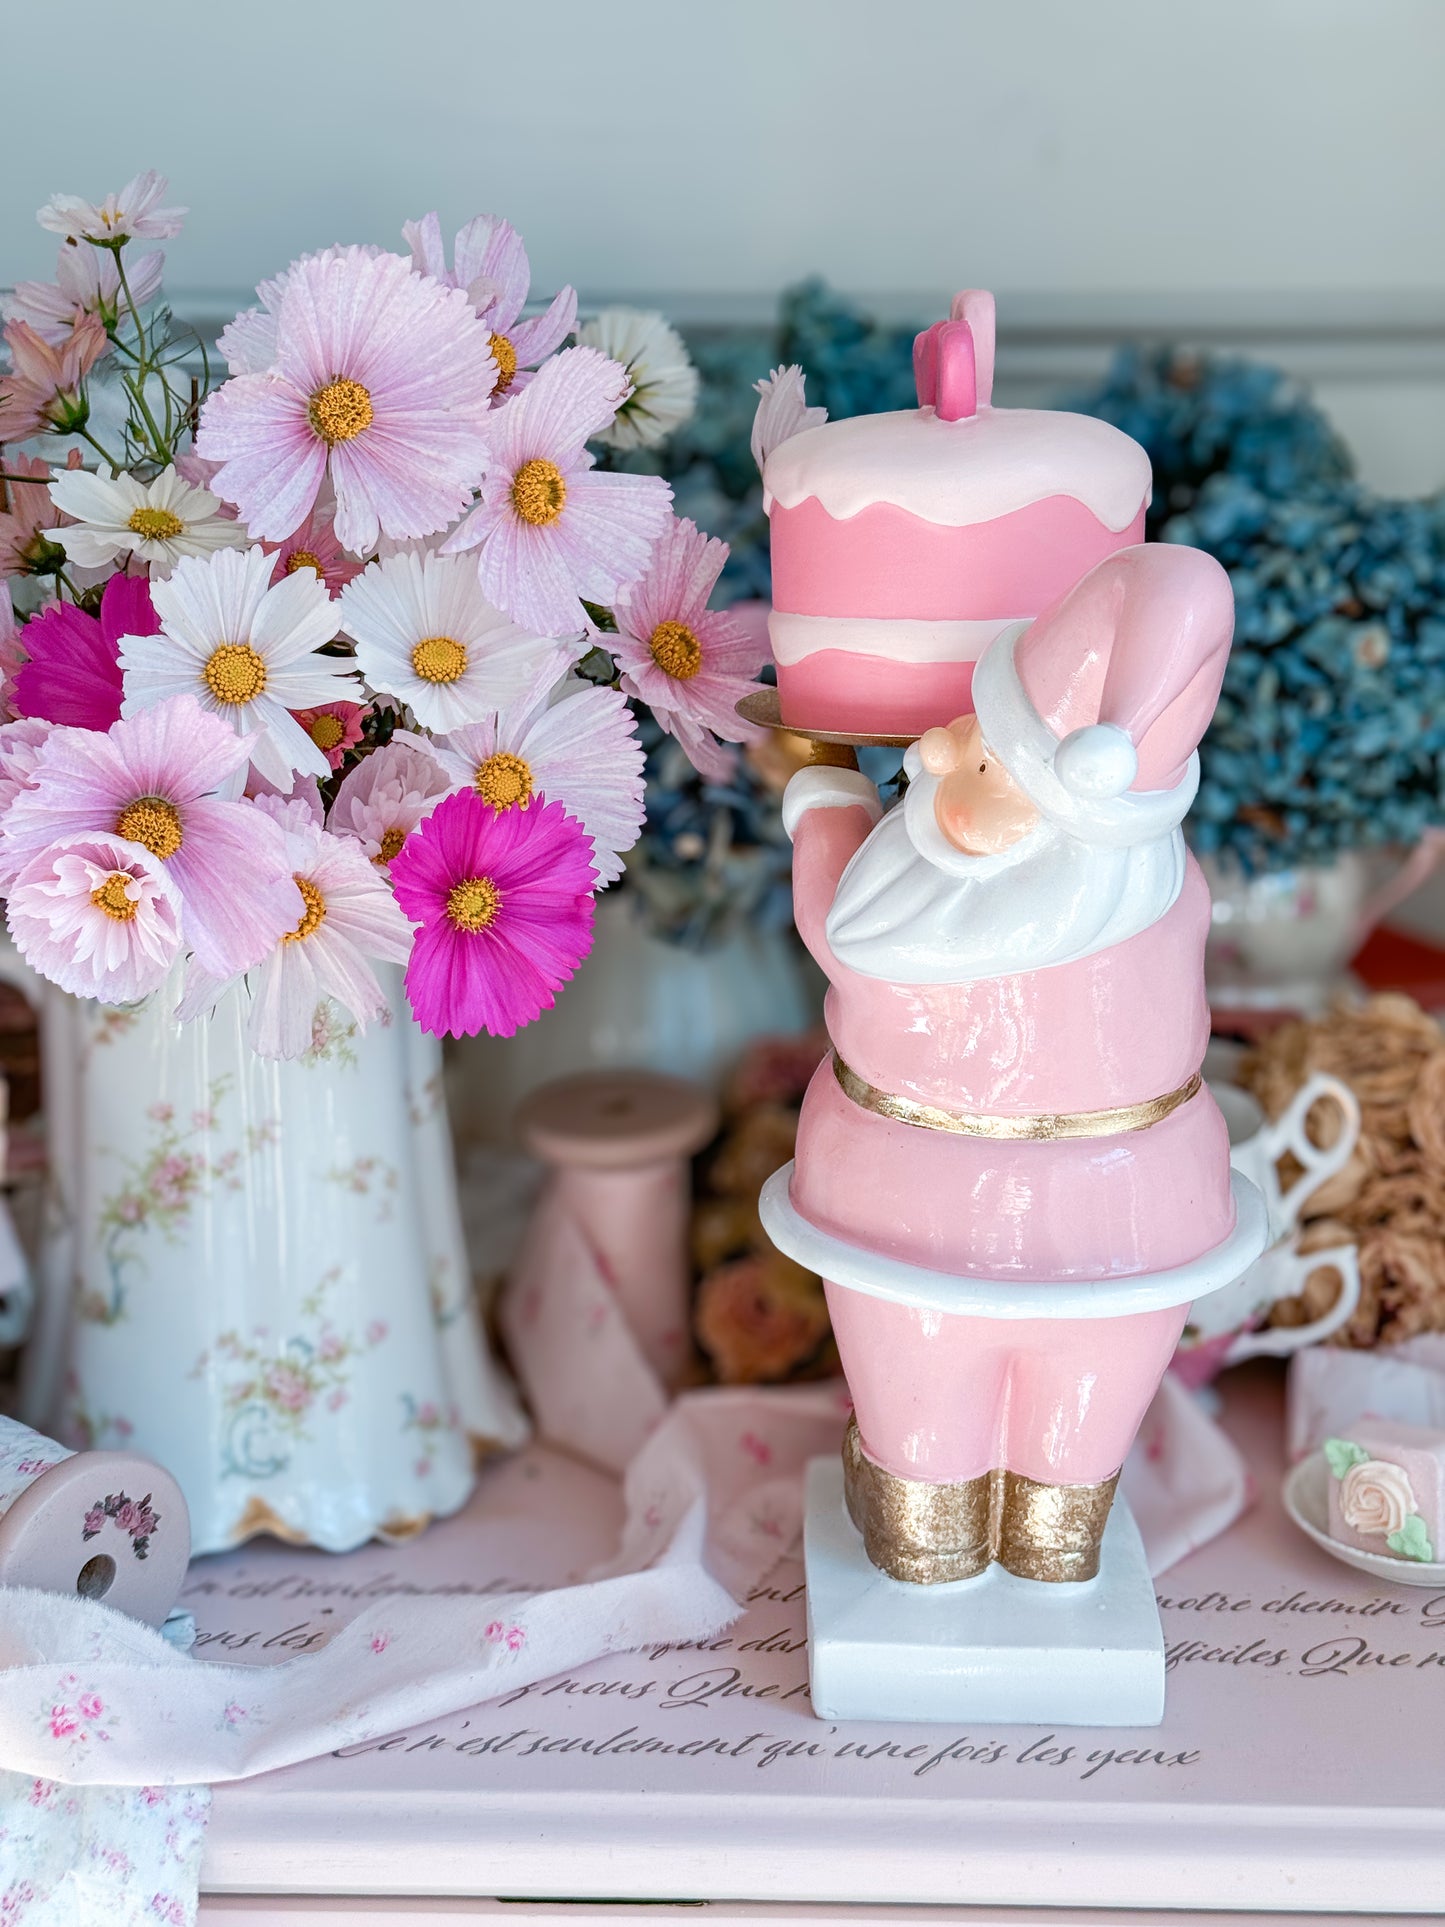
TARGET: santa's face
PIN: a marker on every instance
(979, 807)
(915, 906)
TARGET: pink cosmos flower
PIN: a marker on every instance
(73, 675)
(43, 390)
(28, 514)
(383, 799)
(20, 746)
(504, 901)
(97, 916)
(689, 664)
(87, 281)
(382, 379)
(151, 780)
(334, 728)
(348, 921)
(576, 745)
(489, 263)
(130, 215)
(550, 528)
(314, 546)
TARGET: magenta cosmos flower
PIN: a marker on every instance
(73, 675)
(334, 728)
(314, 546)
(688, 663)
(97, 916)
(490, 266)
(382, 379)
(552, 530)
(150, 780)
(504, 901)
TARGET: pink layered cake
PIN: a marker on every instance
(1387, 1489)
(903, 543)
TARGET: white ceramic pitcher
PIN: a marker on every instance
(254, 1272)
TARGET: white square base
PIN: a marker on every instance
(991, 1649)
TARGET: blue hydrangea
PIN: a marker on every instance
(1330, 730)
(1199, 416)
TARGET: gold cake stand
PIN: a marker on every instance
(830, 747)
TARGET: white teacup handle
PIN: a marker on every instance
(1288, 1133)
(1280, 1341)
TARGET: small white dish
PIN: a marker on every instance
(1306, 1500)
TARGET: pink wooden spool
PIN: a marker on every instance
(111, 1526)
(618, 1142)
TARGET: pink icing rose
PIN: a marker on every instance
(1376, 1497)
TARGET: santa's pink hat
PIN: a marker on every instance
(1097, 707)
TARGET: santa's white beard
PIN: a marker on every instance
(933, 915)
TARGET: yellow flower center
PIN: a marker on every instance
(302, 559)
(235, 673)
(153, 822)
(439, 659)
(505, 356)
(538, 492)
(504, 780)
(326, 731)
(676, 651)
(155, 525)
(340, 411)
(311, 916)
(111, 897)
(391, 842)
(472, 904)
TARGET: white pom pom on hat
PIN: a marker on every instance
(1099, 760)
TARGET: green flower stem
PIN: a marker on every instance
(104, 453)
(135, 383)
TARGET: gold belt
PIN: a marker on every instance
(1058, 1124)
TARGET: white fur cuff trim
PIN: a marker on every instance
(825, 788)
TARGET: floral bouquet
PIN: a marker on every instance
(339, 662)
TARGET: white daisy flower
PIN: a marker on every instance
(245, 650)
(664, 381)
(576, 745)
(427, 636)
(157, 522)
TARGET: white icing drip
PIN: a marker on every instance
(961, 473)
(795, 638)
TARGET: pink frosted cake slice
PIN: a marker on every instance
(903, 543)
(1387, 1489)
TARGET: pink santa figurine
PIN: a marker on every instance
(1008, 1170)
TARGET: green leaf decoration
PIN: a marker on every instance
(1411, 1541)
(1341, 1454)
